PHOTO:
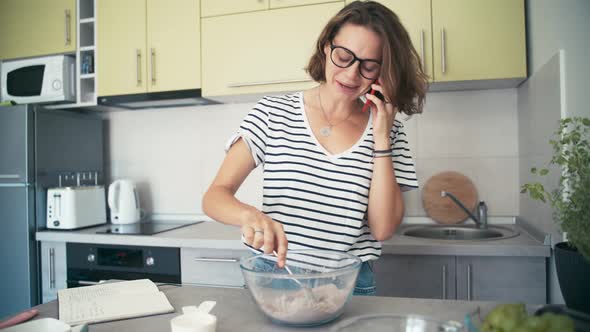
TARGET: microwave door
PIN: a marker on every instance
(25, 81)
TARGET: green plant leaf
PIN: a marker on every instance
(544, 171)
(534, 170)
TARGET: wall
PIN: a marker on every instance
(174, 154)
(558, 47)
(554, 25)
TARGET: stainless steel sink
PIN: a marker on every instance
(469, 233)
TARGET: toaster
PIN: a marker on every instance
(75, 207)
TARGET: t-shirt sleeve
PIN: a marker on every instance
(253, 130)
(403, 164)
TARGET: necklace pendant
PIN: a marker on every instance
(326, 131)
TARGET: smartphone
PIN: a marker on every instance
(374, 93)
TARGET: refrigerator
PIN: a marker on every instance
(37, 147)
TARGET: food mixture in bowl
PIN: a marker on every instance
(315, 293)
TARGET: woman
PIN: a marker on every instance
(333, 174)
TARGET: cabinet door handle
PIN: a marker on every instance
(52, 268)
(238, 85)
(422, 50)
(443, 51)
(9, 176)
(138, 56)
(469, 295)
(444, 282)
(84, 282)
(217, 260)
(153, 53)
(68, 32)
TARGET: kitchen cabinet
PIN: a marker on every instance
(291, 3)
(466, 40)
(415, 15)
(477, 40)
(37, 27)
(429, 277)
(148, 46)
(503, 279)
(477, 278)
(53, 269)
(262, 51)
(212, 267)
(224, 7)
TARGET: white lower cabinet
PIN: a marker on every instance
(477, 278)
(212, 267)
(53, 269)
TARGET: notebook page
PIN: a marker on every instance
(111, 301)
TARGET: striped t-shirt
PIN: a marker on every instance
(320, 198)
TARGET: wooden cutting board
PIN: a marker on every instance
(442, 209)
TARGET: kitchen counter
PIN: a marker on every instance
(213, 235)
(236, 311)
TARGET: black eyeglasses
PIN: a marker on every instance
(344, 58)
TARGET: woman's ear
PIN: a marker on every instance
(327, 49)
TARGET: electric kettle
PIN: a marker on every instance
(123, 202)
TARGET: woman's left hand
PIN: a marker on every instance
(383, 115)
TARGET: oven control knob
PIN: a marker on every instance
(91, 258)
(149, 261)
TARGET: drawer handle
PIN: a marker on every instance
(217, 260)
(239, 85)
(444, 282)
(469, 295)
(52, 268)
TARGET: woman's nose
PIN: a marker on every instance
(353, 70)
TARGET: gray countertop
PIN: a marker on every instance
(236, 311)
(214, 235)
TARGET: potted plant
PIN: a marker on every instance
(571, 208)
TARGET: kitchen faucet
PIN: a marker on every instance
(482, 210)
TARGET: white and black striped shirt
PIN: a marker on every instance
(320, 198)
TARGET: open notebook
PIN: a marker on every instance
(111, 301)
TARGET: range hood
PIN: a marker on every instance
(166, 99)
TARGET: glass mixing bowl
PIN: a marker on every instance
(312, 290)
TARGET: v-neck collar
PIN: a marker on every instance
(317, 142)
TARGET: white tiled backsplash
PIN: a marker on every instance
(174, 154)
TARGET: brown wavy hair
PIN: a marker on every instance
(402, 76)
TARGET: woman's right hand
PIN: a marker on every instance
(260, 231)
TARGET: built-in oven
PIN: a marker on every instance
(89, 264)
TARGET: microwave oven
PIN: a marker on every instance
(49, 79)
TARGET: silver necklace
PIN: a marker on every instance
(327, 130)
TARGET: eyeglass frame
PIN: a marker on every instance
(354, 59)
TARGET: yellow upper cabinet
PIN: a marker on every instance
(464, 40)
(173, 44)
(291, 3)
(121, 50)
(261, 52)
(37, 27)
(415, 16)
(478, 39)
(148, 46)
(224, 7)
